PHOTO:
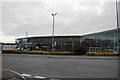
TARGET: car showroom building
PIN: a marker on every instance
(105, 41)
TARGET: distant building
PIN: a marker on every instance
(1, 47)
(105, 41)
(9, 46)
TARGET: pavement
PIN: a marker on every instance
(59, 67)
(64, 56)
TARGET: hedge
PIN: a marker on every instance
(102, 54)
(19, 51)
(61, 53)
(34, 52)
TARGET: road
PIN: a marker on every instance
(56, 66)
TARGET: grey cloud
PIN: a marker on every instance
(35, 18)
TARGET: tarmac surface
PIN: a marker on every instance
(55, 67)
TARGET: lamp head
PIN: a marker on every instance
(55, 13)
(52, 14)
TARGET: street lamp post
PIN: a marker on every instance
(117, 17)
(53, 30)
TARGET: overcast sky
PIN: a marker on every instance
(75, 17)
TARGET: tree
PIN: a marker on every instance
(79, 50)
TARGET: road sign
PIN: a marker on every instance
(54, 43)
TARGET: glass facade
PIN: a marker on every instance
(63, 43)
(106, 41)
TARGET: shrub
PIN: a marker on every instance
(79, 50)
(90, 54)
(34, 52)
(19, 52)
(101, 54)
(59, 53)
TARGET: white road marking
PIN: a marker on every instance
(26, 75)
(14, 72)
(40, 77)
(23, 75)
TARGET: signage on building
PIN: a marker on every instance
(95, 50)
(24, 40)
(92, 50)
(54, 43)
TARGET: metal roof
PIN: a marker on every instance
(70, 36)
